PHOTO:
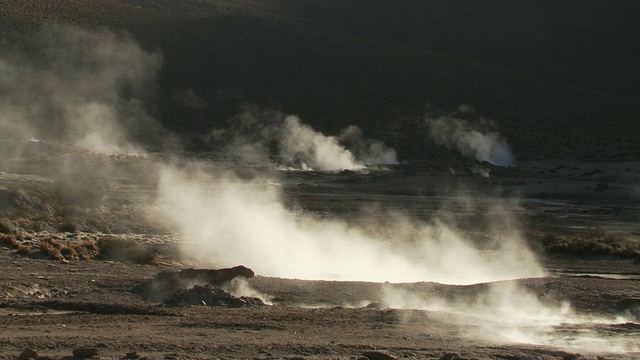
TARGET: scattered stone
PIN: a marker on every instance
(28, 354)
(377, 355)
(45, 358)
(132, 355)
(85, 352)
(570, 357)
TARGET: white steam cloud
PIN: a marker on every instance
(83, 88)
(227, 222)
(507, 311)
(300, 143)
(459, 134)
(257, 135)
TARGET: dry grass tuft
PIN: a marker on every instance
(11, 241)
(68, 250)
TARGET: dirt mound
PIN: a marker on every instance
(208, 295)
(13, 200)
(165, 284)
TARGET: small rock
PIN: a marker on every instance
(28, 354)
(375, 305)
(132, 355)
(377, 355)
(45, 358)
(85, 352)
(570, 357)
(449, 356)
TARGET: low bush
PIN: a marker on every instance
(115, 248)
(593, 242)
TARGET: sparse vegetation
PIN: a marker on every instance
(125, 250)
(10, 240)
(590, 243)
(63, 250)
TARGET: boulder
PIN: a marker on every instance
(208, 295)
(166, 283)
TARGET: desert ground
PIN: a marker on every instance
(56, 306)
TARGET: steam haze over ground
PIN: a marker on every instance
(95, 91)
(88, 89)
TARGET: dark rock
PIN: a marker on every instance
(375, 305)
(28, 354)
(570, 357)
(377, 355)
(449, 356)
(166, 283)
(208, 295)
(85, 352)
(132, 355)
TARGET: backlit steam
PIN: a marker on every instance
(370, 152)
(258, 134)
(458, 134)
(506, 311)
(229, 221)
(300, 143)
(83, 88)
(89, 88)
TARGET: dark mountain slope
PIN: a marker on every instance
(588, 43)
(332, 79)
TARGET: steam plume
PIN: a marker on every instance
(459, 134)
(229, 221)
(506, 311)
(259, 134)
(83, 88)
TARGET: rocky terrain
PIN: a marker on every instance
(55, 304)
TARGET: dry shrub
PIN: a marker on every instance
(68, 250)
(125, 250)
(592, 243)
(11, 241)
